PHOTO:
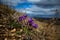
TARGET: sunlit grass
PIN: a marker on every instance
(43, 30)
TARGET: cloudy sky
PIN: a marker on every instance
(34, 8)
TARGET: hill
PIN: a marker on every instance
(13, 29)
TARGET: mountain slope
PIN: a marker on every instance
(12, 29)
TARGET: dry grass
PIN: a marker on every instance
(21, 31)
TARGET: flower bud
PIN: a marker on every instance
(35, 25)
(20, 18)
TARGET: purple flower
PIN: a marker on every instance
(30, 21)
(20, 18)
(24, 16)
(34, 25)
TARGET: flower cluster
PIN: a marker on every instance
(30, 21)
(22, 17)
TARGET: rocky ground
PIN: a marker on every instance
(12, 29)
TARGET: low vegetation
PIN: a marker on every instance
(13, 27)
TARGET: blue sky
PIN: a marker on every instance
(35, 8)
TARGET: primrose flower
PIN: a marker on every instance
(35, 25)
(20, 18)
(30, 20)
(24, 16)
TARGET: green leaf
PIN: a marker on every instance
(18, 32)
(14, 24)
(26, 30)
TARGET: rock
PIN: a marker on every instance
(1, 25)
(19, 36)
(5, 19)
(14, 30)
(21, 30)
(5, 39)
(12, 34)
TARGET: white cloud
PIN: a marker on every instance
(40, 10)
(45, 1)
(34, 8)
(34, 1)
(11, 2)
(37, 10)
(50, 1)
